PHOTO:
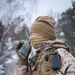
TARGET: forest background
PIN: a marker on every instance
(16, 16)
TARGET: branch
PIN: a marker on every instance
(6, 55)
(6, 31)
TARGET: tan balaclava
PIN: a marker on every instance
(44, 28)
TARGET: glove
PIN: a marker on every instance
(20, 60)
(19, 45)
(25, 50)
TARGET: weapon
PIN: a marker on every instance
(57, 60)
(24, 50)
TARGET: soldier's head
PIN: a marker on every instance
(42, 29)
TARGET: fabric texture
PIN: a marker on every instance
(37, 40)
(45, 67)
(44, 26)
(66, 60)
(52, 45)
(21, 70)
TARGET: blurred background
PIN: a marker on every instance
(17, 15)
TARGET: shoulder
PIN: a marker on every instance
(60, 46)
(55, 44)
(67, 59)
(64, 53)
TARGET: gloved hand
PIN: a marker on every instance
(22, 61)
(19, 45)
(25, 50)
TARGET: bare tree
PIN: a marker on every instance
(8, 28)
(53, 14)
(10, 14)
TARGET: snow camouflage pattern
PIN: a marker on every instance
(45, 68)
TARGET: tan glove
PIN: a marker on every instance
(19, 45)
(20, 60)
(22, 65)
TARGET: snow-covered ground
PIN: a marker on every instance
(8, 63)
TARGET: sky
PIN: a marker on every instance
(44, 6)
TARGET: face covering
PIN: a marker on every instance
(37, 40)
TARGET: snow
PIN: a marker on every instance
(61, 34)
(8, 60)
(1, 66)
(9, 43)
(1, 69)
(14, 57)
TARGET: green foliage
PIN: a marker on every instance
(67, 22)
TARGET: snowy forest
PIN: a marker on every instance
(15, 17)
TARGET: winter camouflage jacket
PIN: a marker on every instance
(43, 67)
